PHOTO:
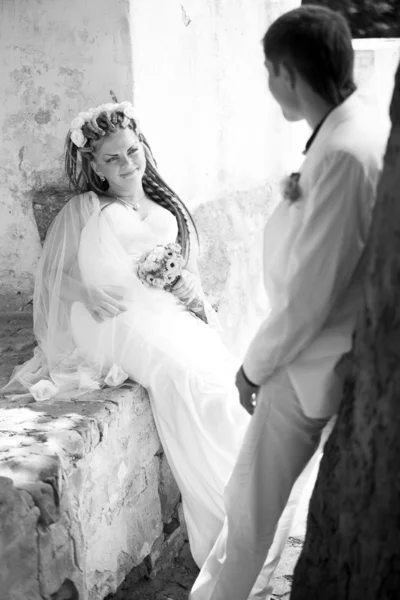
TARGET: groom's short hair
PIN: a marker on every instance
(316, 42)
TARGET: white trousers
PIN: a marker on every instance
(280, 442)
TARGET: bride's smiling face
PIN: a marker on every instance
(120, 159)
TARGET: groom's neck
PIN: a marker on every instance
(315, 108)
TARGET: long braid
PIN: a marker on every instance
(160, 192)
(154, 188)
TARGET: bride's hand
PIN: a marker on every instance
(187, 288)
(103, 303)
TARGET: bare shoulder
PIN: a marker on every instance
(109, 205)
(104, 200)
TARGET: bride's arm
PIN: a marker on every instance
(102, 302)
(192, 270)
(189, 285)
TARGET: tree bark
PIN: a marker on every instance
(352, 546)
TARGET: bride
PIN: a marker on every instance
(97, 324)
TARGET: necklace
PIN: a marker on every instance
(135, 205)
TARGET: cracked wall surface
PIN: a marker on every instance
(86, 495)
(57, 58)
(186, 66)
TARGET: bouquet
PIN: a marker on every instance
(162, 268)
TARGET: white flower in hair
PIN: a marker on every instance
(87, 115)
(83, 117)
(111, 106)
(78, 138)
(128, 110)
(78, 122)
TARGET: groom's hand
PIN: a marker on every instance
(247, 391)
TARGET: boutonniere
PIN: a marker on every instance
(291, 189)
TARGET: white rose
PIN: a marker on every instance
(174, 247)
(157, 252)
(78, 123)
(86, 116)
(109, 107)
(78, 138)
(150, 265)
(128, 110)
(158, 283)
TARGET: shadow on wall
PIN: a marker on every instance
(47, 203)
(67, 591)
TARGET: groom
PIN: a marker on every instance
(291, 378)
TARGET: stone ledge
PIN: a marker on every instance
(86, 493)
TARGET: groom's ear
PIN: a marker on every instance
(288, 74)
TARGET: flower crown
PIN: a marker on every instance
(76, 133)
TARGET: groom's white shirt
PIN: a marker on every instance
(312, 259)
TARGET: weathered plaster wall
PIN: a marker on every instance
(201, 91)
(195, 72)
(57, 58)
(220, 139)
(198, 83)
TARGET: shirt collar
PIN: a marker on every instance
(316, 130)
(337, 112)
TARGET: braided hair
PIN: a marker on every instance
(83, 178)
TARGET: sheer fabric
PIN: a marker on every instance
(156, 341)
(54, 367)
(57, 367)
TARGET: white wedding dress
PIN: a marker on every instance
(180, 360)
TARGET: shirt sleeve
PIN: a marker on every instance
(324, 255)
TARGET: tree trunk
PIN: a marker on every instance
(352, 546)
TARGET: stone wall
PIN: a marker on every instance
(86, 495)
